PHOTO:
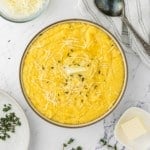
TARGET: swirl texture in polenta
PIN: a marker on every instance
(73, 73)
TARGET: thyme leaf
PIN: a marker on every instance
(71, 140)
(105, 143)
(8, 123)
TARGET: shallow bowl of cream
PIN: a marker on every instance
(140, 142)
(22, 11)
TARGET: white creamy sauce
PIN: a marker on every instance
(21, 9)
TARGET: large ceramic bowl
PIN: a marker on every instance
(73, 73)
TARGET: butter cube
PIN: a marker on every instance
(133, 129)
(74, 70)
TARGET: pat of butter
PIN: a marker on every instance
(70, 70)
(133, 129)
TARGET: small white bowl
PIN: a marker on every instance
(139, 143)
(11, 18)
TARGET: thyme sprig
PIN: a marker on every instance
(6, 107)
(102, 141)
(105, 143)
(8, 123)
(70, 141)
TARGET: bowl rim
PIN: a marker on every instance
(116, 102)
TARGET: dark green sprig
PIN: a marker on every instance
(105, 143)
(70, 141)
(8, 123)
(79, 148)
(6, 107)
(109, 146)
(115, 147)
(65, 145)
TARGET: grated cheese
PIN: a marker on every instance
(20, 9)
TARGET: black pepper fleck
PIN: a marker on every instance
(95, 86)
(82, 79)
(43, 68)
(65, 83)
(68, 55)
(80, 75)
(40, 34)
(67, 92)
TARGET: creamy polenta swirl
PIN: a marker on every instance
(73, 72)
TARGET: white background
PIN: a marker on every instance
(45, 136)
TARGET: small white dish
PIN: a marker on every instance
(21, 138)
(140, 143)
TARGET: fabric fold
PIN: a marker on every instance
(137, 11)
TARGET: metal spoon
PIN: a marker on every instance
(117, 8)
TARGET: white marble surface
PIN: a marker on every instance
(44, 136)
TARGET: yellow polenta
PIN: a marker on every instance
(73, 73)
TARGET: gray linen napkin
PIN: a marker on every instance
(138, 13)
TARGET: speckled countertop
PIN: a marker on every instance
(44, 136)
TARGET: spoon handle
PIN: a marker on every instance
(145, 44)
